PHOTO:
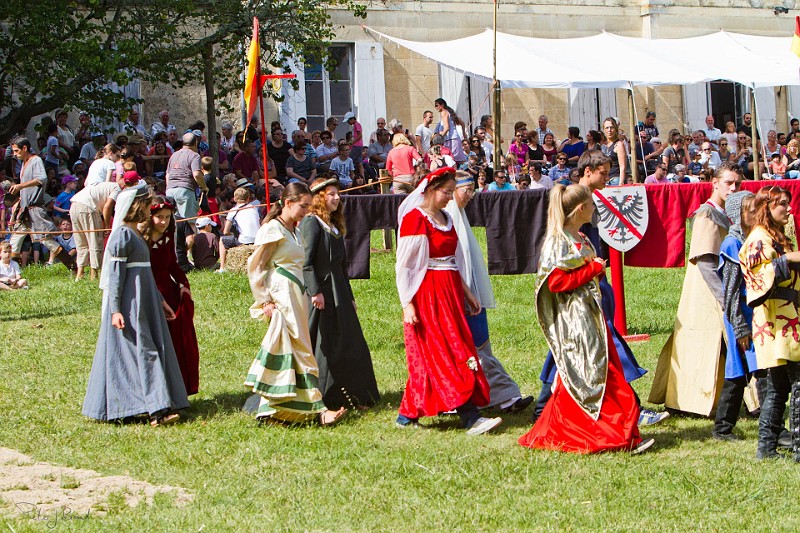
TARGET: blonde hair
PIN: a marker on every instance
(564, 202)
(5, 245)
(242, 194)
(399, 139)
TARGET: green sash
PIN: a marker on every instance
(291, 277)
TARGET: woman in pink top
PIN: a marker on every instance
(400, 163)
(519, 148)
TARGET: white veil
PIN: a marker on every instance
(123, 205)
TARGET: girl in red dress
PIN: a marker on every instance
(593, 409)
(159, 232)
(444, 371)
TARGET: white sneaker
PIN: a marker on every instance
(484, 425)
(643, 446)
(221, 271)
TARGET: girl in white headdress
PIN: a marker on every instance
(444, 372)
(135, 370)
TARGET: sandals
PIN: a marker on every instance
(165, 420)
(331, 418)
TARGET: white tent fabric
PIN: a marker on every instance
(608, 61)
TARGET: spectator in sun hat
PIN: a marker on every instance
(243, 182)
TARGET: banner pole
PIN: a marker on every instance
(618, 284)
(264, 157)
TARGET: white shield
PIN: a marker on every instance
(622, 215)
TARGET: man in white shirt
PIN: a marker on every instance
(712, 134)
(709, 158)
(424, 133)
(163, 124)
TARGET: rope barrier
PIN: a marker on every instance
(108, 230)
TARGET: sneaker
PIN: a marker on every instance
(221, 271)
(518, 406)
(484, 425)
(643, 446)
(404, 422)
(649, 418)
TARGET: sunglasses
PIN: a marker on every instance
(561, 159)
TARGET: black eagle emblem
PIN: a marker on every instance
(630, 206)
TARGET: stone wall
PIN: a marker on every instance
(412, 83)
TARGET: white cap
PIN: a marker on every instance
(348, 116)
(202, 222)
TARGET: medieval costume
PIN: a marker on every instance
(169, 279)
(346, 376)
(690, 368)
(738, 316)
(630, 366)
(135, 370)
(444, 372)
(504, 391)
(773, 286)
(593, 408)
(284, 372)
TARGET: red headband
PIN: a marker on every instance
(163, 205)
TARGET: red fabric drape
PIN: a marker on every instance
(664, 242)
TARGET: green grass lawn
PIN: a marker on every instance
(365, 475)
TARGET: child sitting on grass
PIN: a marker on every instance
(205, 245)
(10, 274)
(66, 240)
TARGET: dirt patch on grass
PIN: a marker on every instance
(46, 491)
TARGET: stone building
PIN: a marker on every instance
(376, 78)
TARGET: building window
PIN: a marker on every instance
(329, 93)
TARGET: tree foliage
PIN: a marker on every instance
(65, 53)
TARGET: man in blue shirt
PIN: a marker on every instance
(500, 182)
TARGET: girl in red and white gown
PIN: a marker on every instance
(593, 408)
(444, 371)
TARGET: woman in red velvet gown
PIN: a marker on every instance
(593, 408)
(444, 371)
(159, 232)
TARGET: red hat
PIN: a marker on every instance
(131, 177)
(438, 174)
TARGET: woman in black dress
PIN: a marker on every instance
(346, 376)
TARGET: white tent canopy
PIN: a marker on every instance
(612, 61)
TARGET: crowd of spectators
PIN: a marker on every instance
(535, 158)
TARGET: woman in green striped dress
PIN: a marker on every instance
(284, 373)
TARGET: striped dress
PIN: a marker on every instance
(284, 372)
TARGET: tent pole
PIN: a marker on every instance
(497, 152)
(632, 139)
(753, 136)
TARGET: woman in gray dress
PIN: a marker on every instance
(346, 376)
(135, 370)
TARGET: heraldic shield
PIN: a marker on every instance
(622, 215)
